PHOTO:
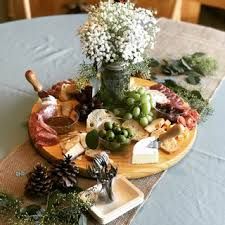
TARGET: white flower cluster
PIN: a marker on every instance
(118, 32)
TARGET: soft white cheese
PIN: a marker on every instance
(158, 97)
(143, 152)
(50, 100)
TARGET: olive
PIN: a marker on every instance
(102, 133)
(121, 138)
(108, 125)
(110, 135)
(125, 133)
(117, 130)
(130, 132)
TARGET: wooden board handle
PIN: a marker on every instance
(172, 132)
(32, 79)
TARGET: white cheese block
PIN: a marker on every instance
(143, 152)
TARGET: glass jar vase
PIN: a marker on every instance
(115, 81)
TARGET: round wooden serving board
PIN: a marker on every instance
(123, 159)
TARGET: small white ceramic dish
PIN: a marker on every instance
(127, 197)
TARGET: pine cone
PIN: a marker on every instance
(39, 181)
(64, 173)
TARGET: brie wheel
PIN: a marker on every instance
(144, 153)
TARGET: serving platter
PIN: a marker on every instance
(123, 159)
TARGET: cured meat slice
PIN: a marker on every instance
(175, 100)
(177, 110)
(41, 133)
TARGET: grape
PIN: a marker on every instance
(84, 107)
(128, 116)
(98, 104)
(130, 101)
(146, 107)
(136, 111)
(87, 103)
(149, 117)
(145, 99)
(88, 91)
(141, 90)
(84, 95)
(82, 115)
(137, 97)
(144, 121)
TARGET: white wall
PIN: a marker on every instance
(3, 10)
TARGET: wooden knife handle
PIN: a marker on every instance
(172, 132)
(32, 79)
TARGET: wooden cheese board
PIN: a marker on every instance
(123, 159)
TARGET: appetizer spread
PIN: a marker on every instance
(150, 120)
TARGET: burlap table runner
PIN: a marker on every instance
(20, 161)
(175, 39)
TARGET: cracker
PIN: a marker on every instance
(155, 124)
(139, 132)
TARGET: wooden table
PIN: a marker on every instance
(191, 8)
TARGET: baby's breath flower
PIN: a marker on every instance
(118, 32)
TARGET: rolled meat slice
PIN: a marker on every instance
(41, 133)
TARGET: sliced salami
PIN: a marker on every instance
(177, 110)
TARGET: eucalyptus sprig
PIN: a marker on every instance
(193, 66)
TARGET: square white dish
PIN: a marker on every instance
(127, 197)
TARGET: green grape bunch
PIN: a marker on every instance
(138, 106)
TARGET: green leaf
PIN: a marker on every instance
(185, 64)
(154, 63)
(198, 54)
(193, 73)
(194, 80)
(197, 94)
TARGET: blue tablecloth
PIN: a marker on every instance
(191, 193)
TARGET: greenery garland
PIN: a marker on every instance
(61, 209)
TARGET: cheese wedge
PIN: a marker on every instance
(75, 151)
(143, 152)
